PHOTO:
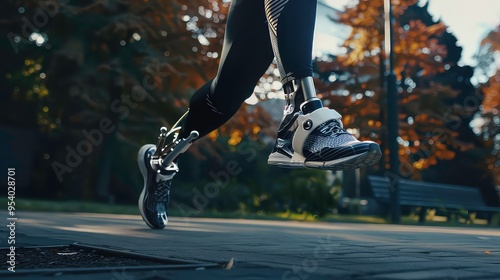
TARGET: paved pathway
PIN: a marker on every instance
(272, 249)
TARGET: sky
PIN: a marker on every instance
(468, 20)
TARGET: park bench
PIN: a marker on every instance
(453, 199)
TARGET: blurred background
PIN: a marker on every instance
(84, 84)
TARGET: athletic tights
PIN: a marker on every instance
(256, 32)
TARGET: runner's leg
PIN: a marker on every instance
(246, 55)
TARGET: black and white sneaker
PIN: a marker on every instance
(155, 196)
(318, 140)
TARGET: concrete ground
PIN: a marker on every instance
(263, 249)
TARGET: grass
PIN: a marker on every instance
(70, 206)
(96, 207)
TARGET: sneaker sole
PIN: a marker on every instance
(144, 172)
(367, 158)
(370, 157)
(280, 160)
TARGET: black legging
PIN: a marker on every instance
(250, 44)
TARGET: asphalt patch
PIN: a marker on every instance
(80, 257)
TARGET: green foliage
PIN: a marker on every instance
(241, 180)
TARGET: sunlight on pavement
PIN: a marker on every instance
(193, 227)
(353, 227)
(118, 231)
(108, 216)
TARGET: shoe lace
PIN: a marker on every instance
(333, 128)
(162, 191)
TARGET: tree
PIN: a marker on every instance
(354, 82)
(468, 165)
(99, 78)
(489, 119)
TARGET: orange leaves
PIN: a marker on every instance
(255, 130)
(366, 13)
(442, 152)
(249, 121)
(418, 57)
(491, 93)
(415, 37)
(493, 39)
(427, 140)
(213, 135)
(412, 42)
(488, 123)
(415, 44)
(236, 137)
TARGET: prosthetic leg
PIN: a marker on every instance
(309, 135)
(313, 136)
(158, 166)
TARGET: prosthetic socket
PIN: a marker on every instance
(303, 113)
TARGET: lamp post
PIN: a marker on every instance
(392, 116)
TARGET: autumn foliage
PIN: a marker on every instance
(354, 84)
(138, 62)
(134, 63)
(490, 129)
